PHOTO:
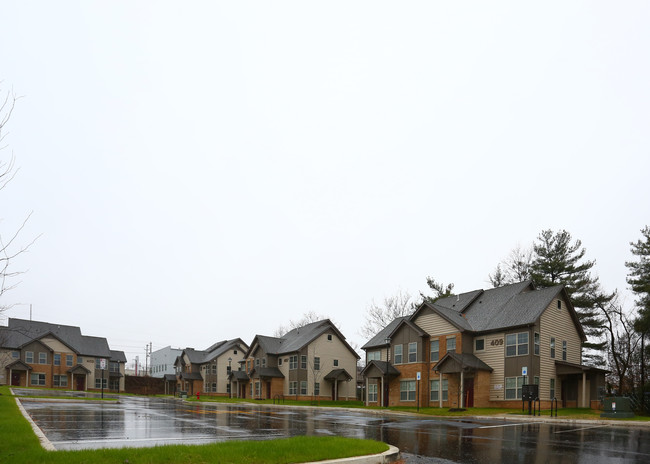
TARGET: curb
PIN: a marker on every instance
(391, 455)
(45, 443)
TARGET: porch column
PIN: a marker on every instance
(336, 389)
(462, 390)
(26, 378)
(584, 389)
(382, 392)
(367, 383)
(440, 391)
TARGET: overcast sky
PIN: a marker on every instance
(201, 171)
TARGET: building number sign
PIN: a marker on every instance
(496, 342)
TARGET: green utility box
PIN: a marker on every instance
(618, 406)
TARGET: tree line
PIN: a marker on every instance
(615, 333)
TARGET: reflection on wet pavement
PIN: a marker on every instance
(138, 422)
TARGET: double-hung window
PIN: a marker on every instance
(451, 344)
(563, 350)
(517, 344)
(398, 354)
(536, 342)
(407, 390)
(435, 350)
(316, 363)
(57, 359)
(372, 393)
(303, 362)
(434, 393)
(513, 387)
(413, 352)
(552, 347)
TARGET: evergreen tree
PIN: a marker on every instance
(440, 290)
(560, 260)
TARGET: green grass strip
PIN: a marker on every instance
(19, 445)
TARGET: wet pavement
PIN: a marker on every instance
(140, 422)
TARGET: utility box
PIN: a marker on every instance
(529, 392)
(618, 406)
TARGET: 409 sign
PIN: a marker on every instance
(496, 342)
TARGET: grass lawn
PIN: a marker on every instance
(19, 445)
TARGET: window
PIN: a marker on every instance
(435, 390)
(536, 341)
(517, 344)
(316, 363)
(413, 352)
(303, 362)
(552, 388)
(451, 343)
(228, 388)
(293, 362)
(559, 304)
(234, 352)
(15, 354)
(293, 388)
(372, 393)
(80, 360)
(435, 350)
(98, 383)
(257, 389)
(98, 363)
(329, 337)
(303, 387)
(38, 379)
(114, 367)
(479, 344)
(57, 359)
(214, 387)
(336, 363)
(536, 380)
(263, 362)
(407, 390)
(552, 347)
(214, 368)
(114, 384)
(398, 354)
(563, 350)
(257, 362)
(42, 358)
(373, 356)
(316, 389)
(513, 387)
(280, 362)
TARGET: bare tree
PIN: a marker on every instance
(10, 249)
(514, 268)
(307, 318)
(379, 315)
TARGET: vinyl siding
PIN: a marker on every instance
(434, 324)
(556, 323)
(328, 351)
(494, 356)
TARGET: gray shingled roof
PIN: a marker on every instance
(118, 356)
(297, 339)
(384, 367)
(19, 332)
(379, 340)
(507, 310)
(458, 360)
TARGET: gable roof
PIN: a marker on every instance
(214, 351)
(379, 340)
(510, 306)
(19, 332)
(118, 356)
(297, 339)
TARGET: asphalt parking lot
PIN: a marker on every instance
(139, 422)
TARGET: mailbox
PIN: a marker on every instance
(530, 392)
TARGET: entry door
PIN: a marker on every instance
(15, 379)
(268, 390)
(80, 383)
(468, 389)
(386, 392)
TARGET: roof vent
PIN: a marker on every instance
(457, 297)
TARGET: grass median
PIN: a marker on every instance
(19, 445)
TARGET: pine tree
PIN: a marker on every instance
(559, 260)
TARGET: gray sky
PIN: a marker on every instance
(211, 170)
